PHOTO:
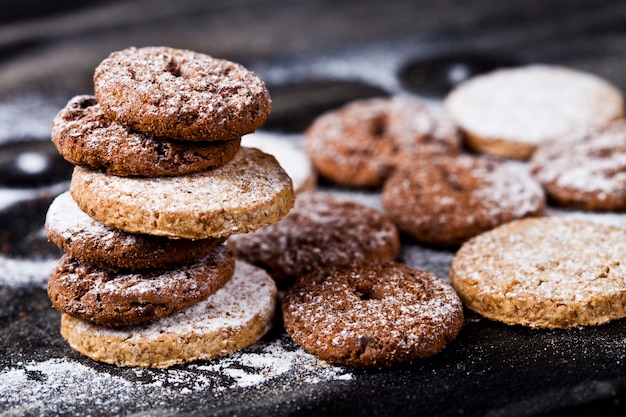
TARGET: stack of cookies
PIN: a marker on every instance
(160, 182)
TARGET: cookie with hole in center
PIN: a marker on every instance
(180, 94)
(234, 317)
(249, 192)
(372, 315)
(84, 136)
(446, 200)
(549, 272)
(115, 299)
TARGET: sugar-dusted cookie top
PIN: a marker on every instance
(234, 317)
(589, 173)
(510, 112)
(84, 136)
(180, 94)
(249, 192)
(550, 272)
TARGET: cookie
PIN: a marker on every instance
(249, 192)
(551, 272)
(357, 145)
(319, 233)
(587, 174)
(446, 200)
(120, 298)
(232, 318)
(180, 94)
(509, 112)
(372, 315)
(84, 136)
(90, 241)
(294, 160)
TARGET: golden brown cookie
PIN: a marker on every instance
(550, 272)
(589, 173)
(372, 315)
(446, 200)
(120, 298)
(249, 192)
(509, 112)
(321, 232)
(180, 94)
(234, 317)
(85, 137)
(92, 242)
(357, 145)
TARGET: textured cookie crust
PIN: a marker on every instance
(548, 272)
(249, 192)
(357, 145)
(510, 112)
(589, 174)
(181, 94)
(116, 299)
(88, 240)
(319, 233)
(446, 200)
(234, 317)
(294, 160)
(373, 315)
(84, 136)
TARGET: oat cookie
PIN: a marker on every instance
(121, 298)
(249, 192)
(234, 317)
(90, 241)
(372, 315)
(294, 160)
(550, 272)
(85, 137)
(321, 232)
(587, 174)
(357, 145)
(509, 112)
(180, 94)
(446, 200)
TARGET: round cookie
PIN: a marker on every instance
(550, 272)
(446, 200)
(587, 174)
(115, 299)
(372, 315)
(249, 192)
(319, 233)
(294, 161)
(234, 317)
(84, 136)
(180, 94)
(509, 112)
(92, 242)
(357, 145)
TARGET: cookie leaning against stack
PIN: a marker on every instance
(160, 182)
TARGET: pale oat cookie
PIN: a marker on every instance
(90, 241)
(85, 137)
(180, 94)
(321, 232)
(294, 160)
(358, 144)
(121, 298)
(509, 112)
(234, 317)
(550, 272)
(589, 173)
(249, 192)
(372, 315)
(446, 200)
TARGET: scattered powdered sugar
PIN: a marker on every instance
(19, 272)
